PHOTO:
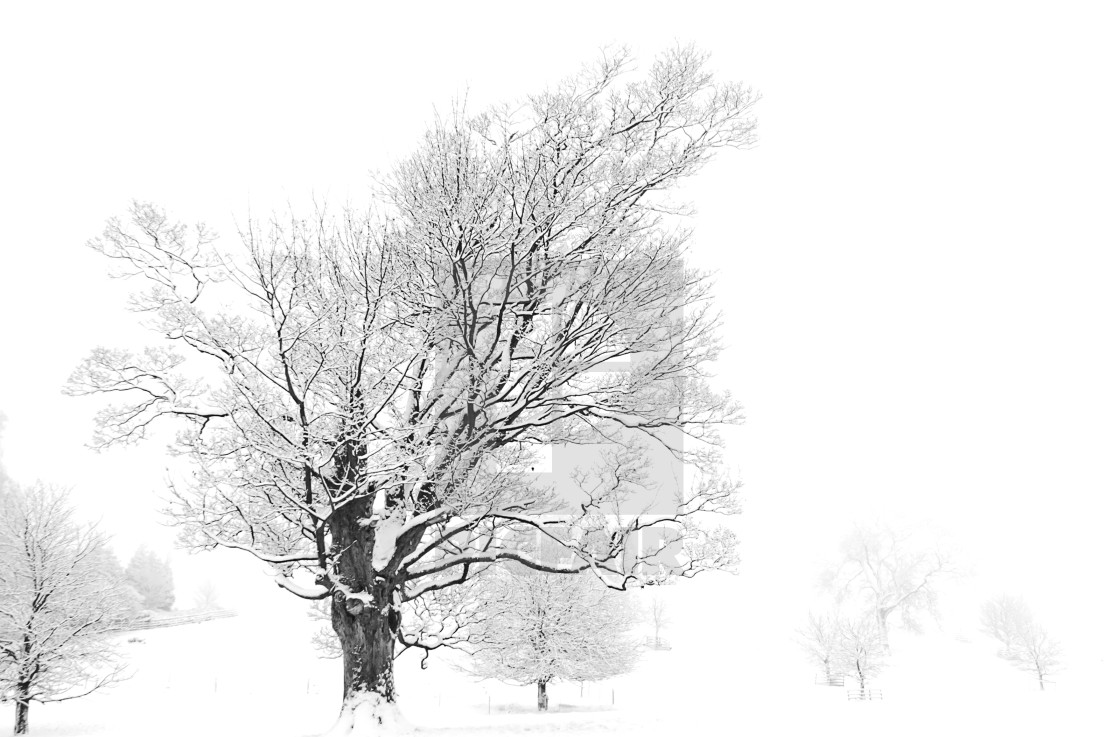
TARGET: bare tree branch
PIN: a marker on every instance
(359, 394)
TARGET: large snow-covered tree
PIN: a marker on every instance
(360, 395)
(541, 628)
(58, 601)
(889, 575)
(1025, 644)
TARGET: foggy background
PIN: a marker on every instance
(917, 263)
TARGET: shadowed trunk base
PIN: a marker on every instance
(364, 622)
(369, 715)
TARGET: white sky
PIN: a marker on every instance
(918, 262)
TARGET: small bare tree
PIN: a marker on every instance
(886, 575)
(659, 616)
(206, 595)
(820, 639)
(543, 627)
(860, 649)
(1025, 644)
(58, 601)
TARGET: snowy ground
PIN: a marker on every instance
(256, 675)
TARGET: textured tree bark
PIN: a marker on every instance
(542, 696)
(23, 706)
(367, 647)
(364, 622)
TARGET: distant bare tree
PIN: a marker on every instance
(860, 648)
(820, 639)
(206, 595)
(659, 615)
(886, 575)
(544, 627)
(1025, 644)
(152, 578)
(323, 639)
(58, 601)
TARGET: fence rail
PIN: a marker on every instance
(658, 644)
(149, 624)
(828, 680)
(865, 694)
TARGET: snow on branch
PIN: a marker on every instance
(61, 594)
(358, 391)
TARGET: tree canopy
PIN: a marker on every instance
(1024, 643)
(59, 598)
(888, 574)
(361, 392)
(541, 627)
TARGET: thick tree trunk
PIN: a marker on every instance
(23, 706)
(542, 696)
(881, 617)
(1041, 684)
(368, 645)
(365, 621)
